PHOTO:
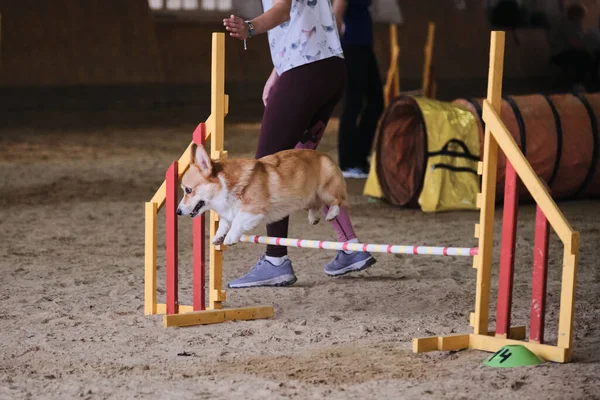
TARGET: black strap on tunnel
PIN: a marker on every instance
(478, 109)
(520, 122)
(559, 139)
(594, 163)
(446, 152)
(421, 118)
(453, 168)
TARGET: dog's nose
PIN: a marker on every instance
(179, 211)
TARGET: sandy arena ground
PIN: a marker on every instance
(71, 293)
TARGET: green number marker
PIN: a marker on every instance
(512, 356)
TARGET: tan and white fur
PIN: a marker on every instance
(248, 192)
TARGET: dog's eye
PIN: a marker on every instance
(188, 190)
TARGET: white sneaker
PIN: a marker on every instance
(355, 173)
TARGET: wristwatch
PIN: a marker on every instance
(250, 28)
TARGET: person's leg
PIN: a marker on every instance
(293, 104)
(371, 114)
(311, 139)
(283, 124)
(297, 111)
(345, 261)
(563, 61)
(357, 69)
(585, 68)
(582, 63)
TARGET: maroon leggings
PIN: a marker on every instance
(299, 107)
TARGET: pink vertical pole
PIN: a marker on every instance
(539, 278)
(198, 231)
(171, 239)
(507, 251)
(199, 264)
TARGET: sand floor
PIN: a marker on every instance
(71, 292)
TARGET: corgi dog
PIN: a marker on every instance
(249, 192)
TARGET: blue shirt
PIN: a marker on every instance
(358, 24)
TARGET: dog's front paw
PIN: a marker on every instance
(217, 241)
(230, 240)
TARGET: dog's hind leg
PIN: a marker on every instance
(314, 216)
(333, 196)
(332, 212)
(243, 222)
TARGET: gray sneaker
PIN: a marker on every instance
(345, 263)
(266, 274)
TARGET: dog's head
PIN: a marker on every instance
(200, 184)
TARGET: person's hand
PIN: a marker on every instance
(237, 27)
(268, 86)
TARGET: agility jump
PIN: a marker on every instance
(517, 166)
(198, 313)
(372, 248)
(497, 136)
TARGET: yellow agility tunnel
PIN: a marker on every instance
(426, 151)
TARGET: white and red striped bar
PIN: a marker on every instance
(373, 248)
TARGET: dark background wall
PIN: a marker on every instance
(67, 42)
(68, 51)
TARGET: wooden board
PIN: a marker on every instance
(457, 342)
(567, 296)
(425, 344)
(199, 265)
(218, 104)
(218, 316)
(217, 97)
(198, 236)
(172, 291)
(507, 251)
(487, 198)
(392, 85)
(215, 295)
(539, 278)
(493, 344)
(428, 64)
(150, 259)
(161, 308)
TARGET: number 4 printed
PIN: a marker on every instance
(502, 353)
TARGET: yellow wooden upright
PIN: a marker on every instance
(487, 198)
(217, 100)
(391, 88)
(215, 313)
(396, 54)
(428, 81)
(567, 296)
(150, 259)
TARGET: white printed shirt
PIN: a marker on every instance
(309, 35)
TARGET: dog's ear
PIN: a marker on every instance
(201, 159)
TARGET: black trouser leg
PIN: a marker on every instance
(371, 113)
(357, 68)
